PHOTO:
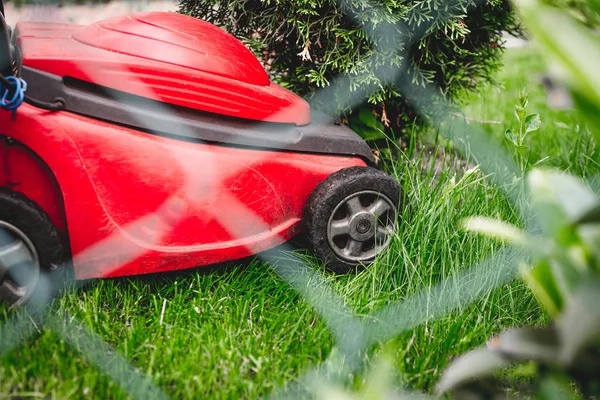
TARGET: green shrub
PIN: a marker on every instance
(455, 45)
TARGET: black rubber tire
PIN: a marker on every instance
(19, 211)
(325, 198)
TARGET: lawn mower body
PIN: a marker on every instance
(174, 149)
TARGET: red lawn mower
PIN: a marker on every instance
(156, 142)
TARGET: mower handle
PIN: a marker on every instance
(5, 47)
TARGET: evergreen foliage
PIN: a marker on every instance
(380, 51)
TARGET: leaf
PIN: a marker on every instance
(522, 150)
(594, 5)
(330, 392)
(494, 228)
(579, 325)
(380, 378)
(551, 389)
(371, 135)
(541, 282)
(566, 192)
(510, 135)
(532, 123)
(590, 110)
(528, 344)
(367, 133)
(526, 370)
(472, 365)
(368, 118)
(566, 275)
(523, 97)
(366, 125)
(591, 216)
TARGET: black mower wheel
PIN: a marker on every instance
(351, 217)
(31, 252)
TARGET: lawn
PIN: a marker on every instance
(241, 330)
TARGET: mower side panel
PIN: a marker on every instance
(23, 171)
(138, 203)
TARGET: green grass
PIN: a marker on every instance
(562, 138)
(241, 331)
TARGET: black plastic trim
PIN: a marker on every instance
(321, 136)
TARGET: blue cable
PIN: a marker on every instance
(19, 87)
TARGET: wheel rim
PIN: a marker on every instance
(361, 226)
(19, 265)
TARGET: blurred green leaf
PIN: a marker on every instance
(579, 324)
(494, 228)
(333, 393)
(526, 370)
(379, 380)
(530, 343)
(532, 123)
(591, 216)
(566, 192)
(541, 282)
(522, 150)
(566, 277)
(367, 126)
(472, 365)
(371, 134)
(552, 389)
(590, 110)
(368, 118)
(594, 5)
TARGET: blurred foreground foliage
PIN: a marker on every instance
(564, 275)
(560, 360)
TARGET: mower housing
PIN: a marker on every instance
(173, 150)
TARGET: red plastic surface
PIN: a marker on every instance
(166, 57)
(23, 171)
(137, 203)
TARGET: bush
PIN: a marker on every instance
(454, 45)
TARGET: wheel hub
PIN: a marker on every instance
(361, 226)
